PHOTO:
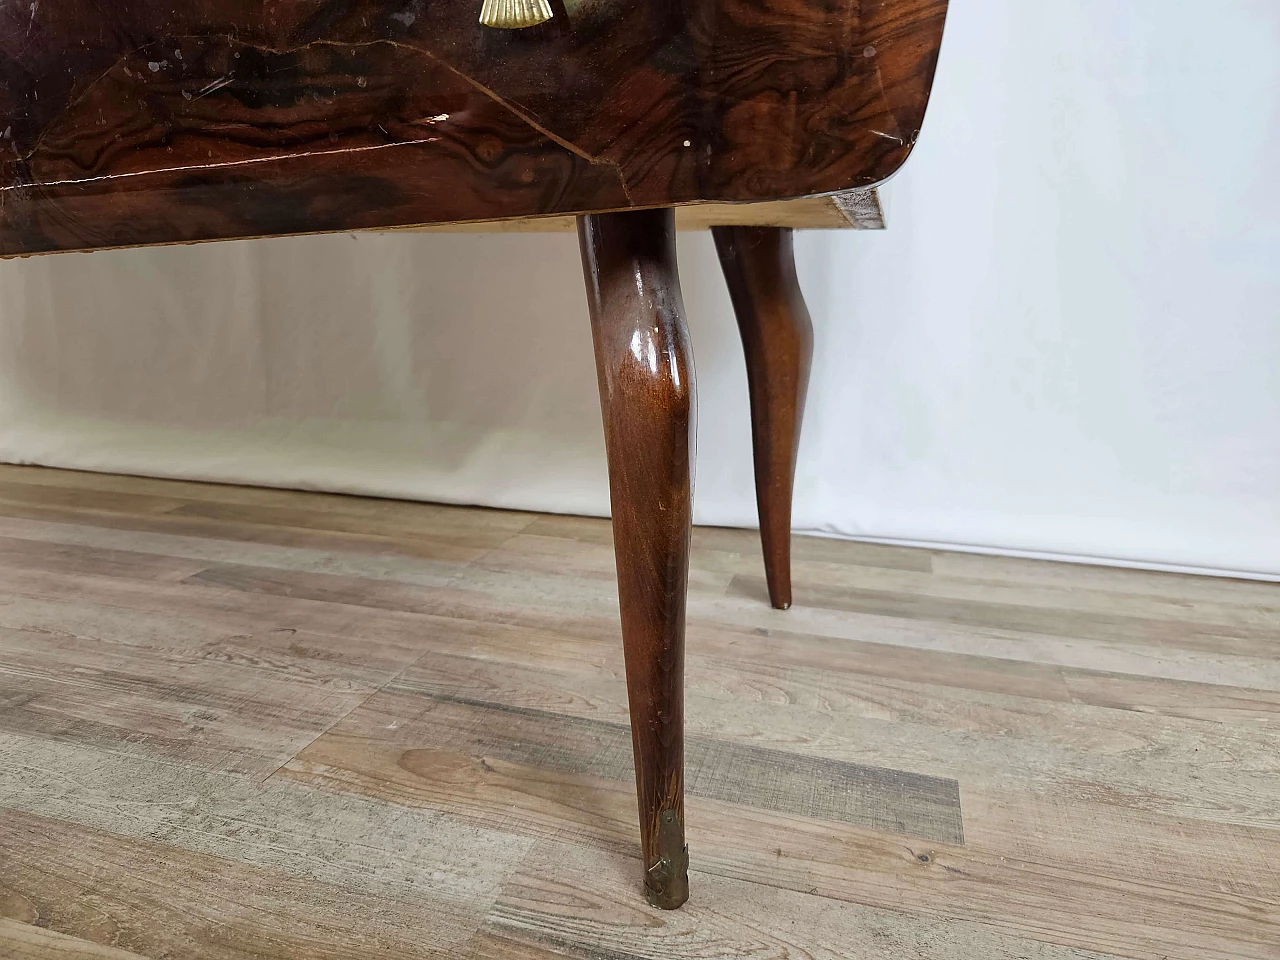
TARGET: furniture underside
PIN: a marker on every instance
(851, 210)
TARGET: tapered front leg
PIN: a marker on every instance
(647, 397)
(778, 338)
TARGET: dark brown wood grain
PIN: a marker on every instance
(777, 335)
(647, 399)
(124, 122)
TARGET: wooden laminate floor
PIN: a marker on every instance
(241, 723)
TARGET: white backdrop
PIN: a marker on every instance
(1067, 341)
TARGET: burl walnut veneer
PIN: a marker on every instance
(134, 122)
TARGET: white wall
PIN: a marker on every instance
(1067, 341)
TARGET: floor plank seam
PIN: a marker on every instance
(331, 726)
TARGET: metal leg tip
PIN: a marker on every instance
(666, 885)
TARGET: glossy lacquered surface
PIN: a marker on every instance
(777, 336)
(645, 369)
(127, 122)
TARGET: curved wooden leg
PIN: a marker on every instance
(647, 397)
(778, 338)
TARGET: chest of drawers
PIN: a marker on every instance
(136, 122)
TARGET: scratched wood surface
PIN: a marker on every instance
(125, 123)
(243, 723)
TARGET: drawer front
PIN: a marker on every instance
(127, 122)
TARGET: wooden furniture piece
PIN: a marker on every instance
(133, 122)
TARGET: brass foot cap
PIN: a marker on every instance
(666, 885)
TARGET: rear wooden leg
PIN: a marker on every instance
(778, 338)
(645, 370)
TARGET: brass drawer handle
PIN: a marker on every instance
(512, 14)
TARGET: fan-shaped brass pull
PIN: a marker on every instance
(513, 14)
